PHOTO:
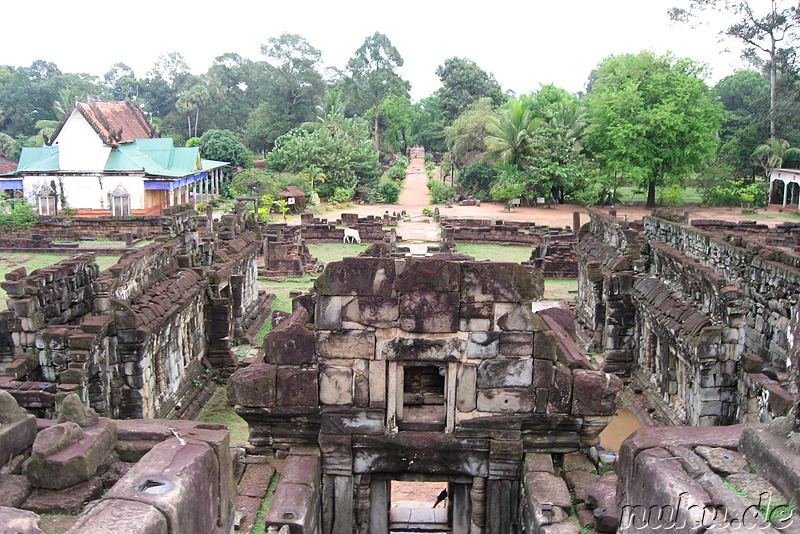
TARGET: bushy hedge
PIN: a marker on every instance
(440, 193)
(388, 192)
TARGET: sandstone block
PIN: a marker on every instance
(505, 400)
(482, 345)
(253, 385)
(328, 312)
(62, 457)
(299, 387)
(14, 489)
(466, 392)
(379, 312)
(357, 276)
(346, 344)
(595, 392)
(516, 343)
(17, 426)
(438, 349)
(422, 274)
(560, 399)
(518, 317)
(427, 311)
(505, 372)
(504, 282)
(110, 516)
(289, 343)
(335, 385)
(15, 521)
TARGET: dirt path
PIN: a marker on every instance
(415, 196)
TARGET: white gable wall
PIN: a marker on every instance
(80, 148)
(88, 191)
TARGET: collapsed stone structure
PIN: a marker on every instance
(370, 228)
(419, 369)
(137, 476)
(703, 316)
(131, 341)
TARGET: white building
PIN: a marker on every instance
(106, 159)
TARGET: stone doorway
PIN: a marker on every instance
(411, 507)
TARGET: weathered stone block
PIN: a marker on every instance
(423, 274)
(422, 311)
(505, 282)
(543, 372)
(357, 276)
(482, 345)
(253, 385)
(595, 392)
(517, 317)
(561, 393)
(110, 516)
(328, 312)
(379, 312)
(17, 426)
(516, 344)
(299, 387)
(289, 343)
(544, 346)
(505, 372)
(335, 385)
(466, 391)
(63, 455)
(437, 349)
(506, 400)
(477, 310)
(16, 521)
(346, 344)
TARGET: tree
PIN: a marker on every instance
(466, 136)
(477, 179)
(463, 83)
(190, 102)
(427, 125)
(771, 155)
(509, 134)
(651, 118)
(396, 113)
(372, 78)
(762, 33)
(223, 145)
(120, 80)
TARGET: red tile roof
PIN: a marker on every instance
(7, 165)
(115, 122)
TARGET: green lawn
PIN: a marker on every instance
(495, 252)
(218, 410)
(560, 289)
(329, 252)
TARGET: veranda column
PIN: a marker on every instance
(785, 192)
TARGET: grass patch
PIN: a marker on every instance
(56, 523)
(329, 252)
(495, 252)
(560, 289)
(259, 527)
(282, 289)
(218, 410)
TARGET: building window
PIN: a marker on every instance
(46, 205)
(120, 202)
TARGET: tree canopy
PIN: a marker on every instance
(464, 83)
(652, 118)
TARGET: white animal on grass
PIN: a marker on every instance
(351, 236)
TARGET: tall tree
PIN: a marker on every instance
(466, 137)
(120, 80)
(372, 78)
(509, 134)
(768, 34)
(464, 82)
(427, 127)
(292, 87)
(652, 118)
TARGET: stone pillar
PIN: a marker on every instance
(785, 192)
(187, 193)
(343, 505)
(576, 222)
(379, 501)
(478, 499)
(502, 505)
(450, 400)
(461, 505)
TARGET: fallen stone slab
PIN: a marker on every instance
(580, 482)
(723, 461)
(112, 516)
(17, 427)
(256, 480)
(64, 501)
(14, 489)
(546, 488)
(13, 521)
(602, 497)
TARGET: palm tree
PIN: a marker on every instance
(770, 155)
(509, 134)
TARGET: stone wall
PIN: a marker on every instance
(370, 228)
(426, 368)
(704, 320)
(132, 341)
(500, 231)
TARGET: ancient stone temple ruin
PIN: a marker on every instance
(703, 317)
(423, 369)
(132, 340)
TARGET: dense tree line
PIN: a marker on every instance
(644, 120)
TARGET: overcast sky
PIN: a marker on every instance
(524, 43)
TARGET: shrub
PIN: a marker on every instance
(506, 190)
(440, 193)
(343, 194)
(477, 178)
(388, 192)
